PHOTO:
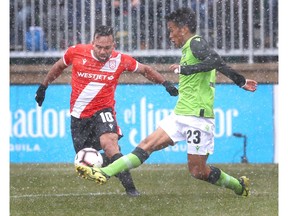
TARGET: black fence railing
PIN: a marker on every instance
(42, 28)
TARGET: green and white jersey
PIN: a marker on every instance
(196, 91)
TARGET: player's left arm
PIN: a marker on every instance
(210, 60)
(155, 77)
(250, 85)
(150, 74)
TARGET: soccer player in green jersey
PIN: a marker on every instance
(193, 118)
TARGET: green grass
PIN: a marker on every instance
(55, 189)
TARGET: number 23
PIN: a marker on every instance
(193, 137)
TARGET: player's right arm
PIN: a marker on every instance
(54, 72)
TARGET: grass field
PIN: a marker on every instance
(55, 189)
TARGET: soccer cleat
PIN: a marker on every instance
(245, 182)
(91, 173)
(132, 193)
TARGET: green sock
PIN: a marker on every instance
(124, 163)
(230, 182)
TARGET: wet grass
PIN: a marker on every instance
(55, 189)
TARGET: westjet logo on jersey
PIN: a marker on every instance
(98, 77)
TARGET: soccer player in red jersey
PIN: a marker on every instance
(96, 68)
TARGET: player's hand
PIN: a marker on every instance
(175, 68)
(40, 95)
(170, 88)
(250, 85)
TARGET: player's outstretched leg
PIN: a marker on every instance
(91, 173)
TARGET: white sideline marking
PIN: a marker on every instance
(253, 193)
(144, 168)
(65, 195)
(141, 168)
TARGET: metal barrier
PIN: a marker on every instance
(45, 28)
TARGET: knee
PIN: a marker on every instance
(109, 139)
(198, 173)
(109, 144)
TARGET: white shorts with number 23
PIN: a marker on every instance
(197, 131)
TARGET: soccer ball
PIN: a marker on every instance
(89, 157)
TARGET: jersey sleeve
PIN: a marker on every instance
(130, 64)
(208, 57)
(210, 60)
(68, 56)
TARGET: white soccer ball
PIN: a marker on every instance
(89, 157)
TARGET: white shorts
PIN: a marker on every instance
(197, 131)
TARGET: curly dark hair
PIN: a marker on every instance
(183, 17)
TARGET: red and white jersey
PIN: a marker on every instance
(94, 82)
